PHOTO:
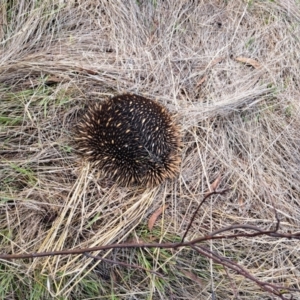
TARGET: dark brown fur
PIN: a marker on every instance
(132, 139)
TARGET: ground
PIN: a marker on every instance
(229, 73)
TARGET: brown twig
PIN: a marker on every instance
(269, 287)
(259, 232)
(196, 211)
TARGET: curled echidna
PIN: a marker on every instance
(132, 139)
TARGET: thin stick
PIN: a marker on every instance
(196, 211)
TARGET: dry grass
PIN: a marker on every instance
(237, 120)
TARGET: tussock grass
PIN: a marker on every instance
(239, 121)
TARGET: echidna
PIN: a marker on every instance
(132, 139)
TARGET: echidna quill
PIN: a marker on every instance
(132, 139)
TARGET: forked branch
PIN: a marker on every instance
(240, 230)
